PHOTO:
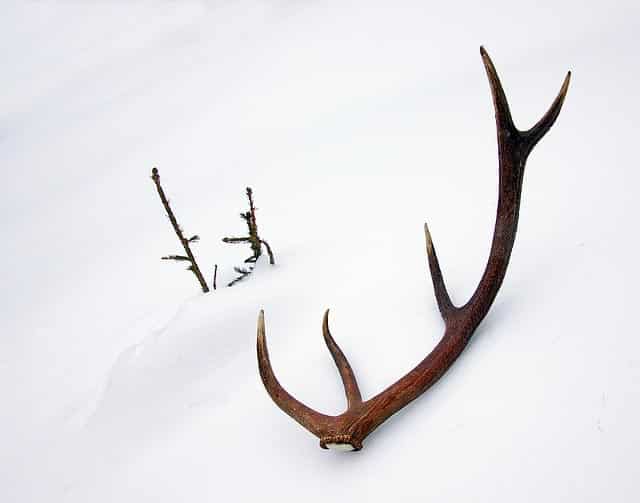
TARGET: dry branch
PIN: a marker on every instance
(193, 267)
(253, 239)
(243, 274)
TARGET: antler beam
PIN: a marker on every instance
(348, 430)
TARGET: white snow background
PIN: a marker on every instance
(354, 122)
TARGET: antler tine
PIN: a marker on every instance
(351, 389)
(313, 421)
(501, 105)
(445, 305)
(534, 134)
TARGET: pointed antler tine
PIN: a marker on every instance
(308, 418)
(351, 389)
(445, 305)
(501, 105)
(535, 134)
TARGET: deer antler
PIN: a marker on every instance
(347, 430)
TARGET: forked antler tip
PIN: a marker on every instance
(503, 114)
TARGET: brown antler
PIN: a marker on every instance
(348, 430)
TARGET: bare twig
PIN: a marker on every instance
(272, 260)
(215, 276)
(252, 224)
(243, 274)
(254, 240)
(193, 267)
(235, 240)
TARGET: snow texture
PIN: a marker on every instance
(354, 122)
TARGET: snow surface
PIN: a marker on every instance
(354, 122)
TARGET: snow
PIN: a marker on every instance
(354, 123)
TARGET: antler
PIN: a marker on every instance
(347, 430)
